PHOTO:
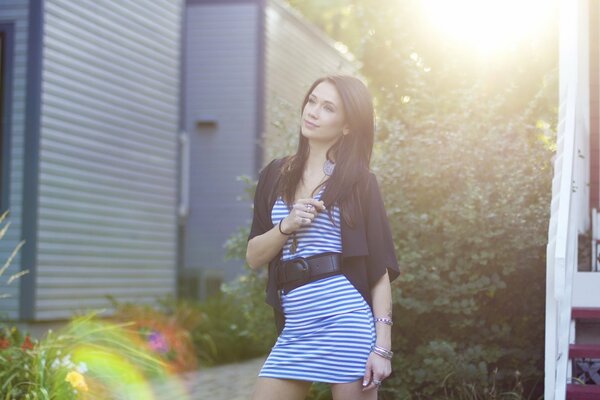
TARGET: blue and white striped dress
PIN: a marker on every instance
(329, 328)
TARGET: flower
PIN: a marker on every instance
(157, 342)
(67, 363)
(4, 343)
(82, 367)
(76, 380)
(27, 345)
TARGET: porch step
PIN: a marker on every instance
(584, 351)
(585, 313)
(583, 392)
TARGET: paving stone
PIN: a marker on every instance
(223, 382)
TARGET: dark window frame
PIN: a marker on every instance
(7, 35)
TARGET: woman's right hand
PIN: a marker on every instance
(303, 213)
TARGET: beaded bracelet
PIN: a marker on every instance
(387, 321)
(385, 353)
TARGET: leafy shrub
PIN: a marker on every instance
(467, 190)
(23, 372)
(226, 332)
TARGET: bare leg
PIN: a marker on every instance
(277, 389)
(352, 390)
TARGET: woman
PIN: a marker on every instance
(320, 224)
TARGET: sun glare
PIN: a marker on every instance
(488, 25)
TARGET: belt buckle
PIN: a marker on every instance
(304, 269)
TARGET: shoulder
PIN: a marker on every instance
(274, 165)
(268, 176)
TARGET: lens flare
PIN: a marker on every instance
(114, 363)
(488, 25)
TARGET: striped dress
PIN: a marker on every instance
(329, 328)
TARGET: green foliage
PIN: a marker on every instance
(281, 136)
(467, 193)
(392, 38)
(319, 391)
(247, 292)
(12, 255)
(25, 370)
(232, 326)
(226, 334)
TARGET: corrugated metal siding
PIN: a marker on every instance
(108, 153)
(297, 53)
(17, 12)
(220, 81)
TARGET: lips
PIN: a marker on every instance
(310, 125)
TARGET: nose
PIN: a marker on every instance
(311, 112)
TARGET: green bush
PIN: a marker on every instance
(247, 292)
(467, 191)
(225, 334)
(218, 330)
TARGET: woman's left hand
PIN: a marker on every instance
(377, 369)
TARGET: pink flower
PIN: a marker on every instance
(157, 342)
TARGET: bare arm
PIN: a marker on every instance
(379, 367)
(382, 307)
(262, 248)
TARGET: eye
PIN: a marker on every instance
(329, 108)
(311, 101)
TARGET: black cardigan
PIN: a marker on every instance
(367, 250)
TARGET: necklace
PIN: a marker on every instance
(294, 245)
(328, 168)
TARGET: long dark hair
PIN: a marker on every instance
(352, 152)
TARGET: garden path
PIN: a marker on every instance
(224, 382)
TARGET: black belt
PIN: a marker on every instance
(299, 271)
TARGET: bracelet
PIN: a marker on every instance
(380, 351)
(280, 231)
(387, 321)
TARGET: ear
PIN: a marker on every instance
(345, 130)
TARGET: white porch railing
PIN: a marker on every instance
(561, 256)
(561, 251)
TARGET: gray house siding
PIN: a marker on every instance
(108, 154)
(221, 84)
(296, 54)
(13, 14)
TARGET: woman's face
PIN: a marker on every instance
(325, 111)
